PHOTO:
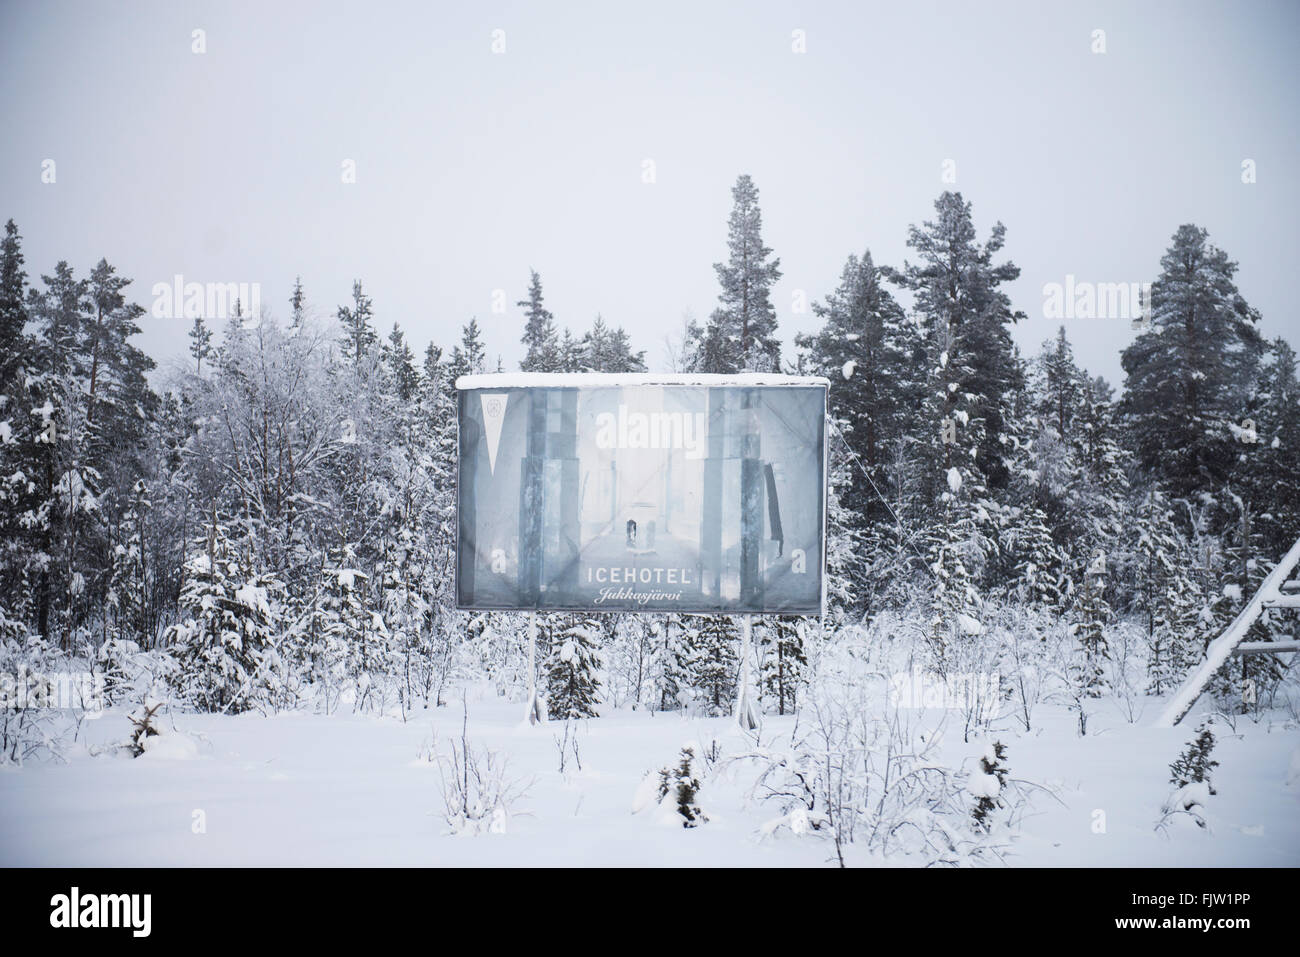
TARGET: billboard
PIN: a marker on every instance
(644, 493)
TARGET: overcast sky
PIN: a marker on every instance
(473, 166)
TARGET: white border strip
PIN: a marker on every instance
(596, 380)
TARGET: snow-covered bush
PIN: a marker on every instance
(566, 746)
(859, 771)
(634, 661)
(30, 729)
(1030, 639)
(1128, 681)
(142, 726)
(123, 666)
(976, 665)
(478, 793)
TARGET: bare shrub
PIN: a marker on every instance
(478, 793)
(857, 770)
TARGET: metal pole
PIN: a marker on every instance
(746, 713)
(534, 706)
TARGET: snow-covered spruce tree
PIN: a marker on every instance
(438, 468)
(13, 310)
(782, 660)
(142, 726)
(865, 348)
(355, 632)
(957, 542)
(712, 661)
(987, 785)
(359, 335)
(1190, 776)
(1032, 564)
(51, 501)
(128, 589)
(405, 610)
(399, 363)
(540, 340)
(1195, 765)
(17, 448)
(120, 406)
(1273, 468)
(226, 647)
(849, 578)
(572, 669)
(1165, 597)
(608, 349)
(200, 344)
(1091, 614)
(674, 684)
(680, 786)
(571, 353)
(1069, 468)
(469, 356)
(1055, 381)
(740, 335)
(958, 538)
(955, 606)
(414, 527)
(1190, 377)
(971, 373)
(80, 431)
(1096, 440)
(966, 317)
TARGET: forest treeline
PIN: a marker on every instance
(272, 522)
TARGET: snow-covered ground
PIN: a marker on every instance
(353, 790)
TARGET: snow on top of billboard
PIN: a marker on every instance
(593, 380)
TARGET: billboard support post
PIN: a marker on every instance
(747, 713)
(535, 713)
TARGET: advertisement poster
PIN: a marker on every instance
(642, 493)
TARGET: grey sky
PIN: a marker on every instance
(473, 167)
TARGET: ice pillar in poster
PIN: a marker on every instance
(733, 498)
(751, 498)
(549, 496)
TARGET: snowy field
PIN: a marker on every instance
(299, 789)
